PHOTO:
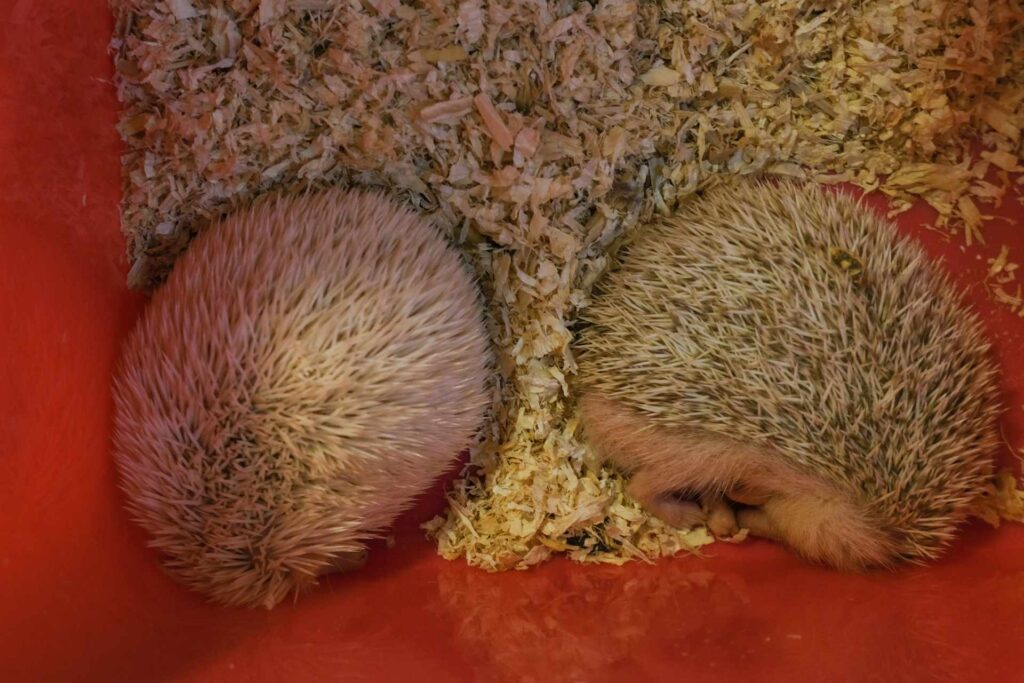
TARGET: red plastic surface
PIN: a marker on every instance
(82, 599)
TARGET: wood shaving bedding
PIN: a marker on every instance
(1004, 500)
(537, 134)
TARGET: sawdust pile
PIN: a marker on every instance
(537, 133)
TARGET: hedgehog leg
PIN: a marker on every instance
(829, 530)
(720, 518)
(649, 490)
(757, 522)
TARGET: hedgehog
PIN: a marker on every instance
(311, 365)
(776, 357)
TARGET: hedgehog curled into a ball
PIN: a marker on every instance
(310, 366)
(778, 351)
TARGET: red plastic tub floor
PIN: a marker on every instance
(82, 599)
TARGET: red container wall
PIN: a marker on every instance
(82, 599)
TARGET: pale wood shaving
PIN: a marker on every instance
(1002, 282)
(1003, 501)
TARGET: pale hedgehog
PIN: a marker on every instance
(310, 366)
(782, 348)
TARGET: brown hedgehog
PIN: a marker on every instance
(310, 366)
(782, 348)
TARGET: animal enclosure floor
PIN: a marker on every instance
(82, 599)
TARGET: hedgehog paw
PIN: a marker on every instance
(682, 514)
(720, 518)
